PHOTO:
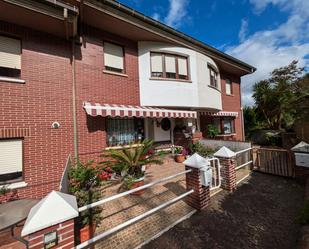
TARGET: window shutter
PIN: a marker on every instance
(228, 87)
(156, 63)
(10, 51)
(11, 156)
(170, 64)
(182, 66)
(113, 55)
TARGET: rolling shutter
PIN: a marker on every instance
(10, 51)
(113, 55)
(11, 156)
(182, 66)
(170, 64)
(156, 63)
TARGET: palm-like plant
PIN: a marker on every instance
(132, 158)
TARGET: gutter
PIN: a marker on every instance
(213, 51)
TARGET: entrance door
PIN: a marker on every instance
(162, 130)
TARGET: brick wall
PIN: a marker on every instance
(47, 97)
(232, 103)
(28, 110)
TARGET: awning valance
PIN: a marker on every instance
(220, 114)
(96, 109)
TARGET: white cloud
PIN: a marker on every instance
(269, 49)
(156, 16)
(176, 13)
(243, 30)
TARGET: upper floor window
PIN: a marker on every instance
(11, 160)
(213, 76)
(113, 57)
(171, 66)
(228, 87)
(10, 57)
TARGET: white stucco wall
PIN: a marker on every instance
(173, 93)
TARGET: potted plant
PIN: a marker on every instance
(180, 154)
(84, 183)
(131, 161)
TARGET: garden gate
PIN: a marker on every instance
(274, 161)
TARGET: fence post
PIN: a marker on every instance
(228, 168)
(50, 222)
(200, 198)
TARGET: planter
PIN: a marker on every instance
(137, 183)
(180, 158)
(86, 232)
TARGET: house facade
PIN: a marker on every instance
(77, 77)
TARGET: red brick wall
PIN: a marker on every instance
(232, 103)
(47, 97)
(96, 86)
(44, 98)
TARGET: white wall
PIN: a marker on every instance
(173, 93)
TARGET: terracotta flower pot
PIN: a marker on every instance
(179, 158)
(137, 183)
(86, 232)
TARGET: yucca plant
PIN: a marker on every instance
(132, 158)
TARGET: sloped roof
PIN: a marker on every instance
(53, 209)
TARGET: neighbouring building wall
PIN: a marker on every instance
(95, 86)
(29, 109)
(232, 103)
(196, 92)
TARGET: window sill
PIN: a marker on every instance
(213, 87)
(15, 185)
(230, 95)
(115, 73)
(226, 135)
(169, 79)
(121, 147)
(13, 80)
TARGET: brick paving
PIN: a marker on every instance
(125, 208)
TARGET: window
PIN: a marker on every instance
(225, 125)
(228, 126)
(228, 87)
(11, 160)
(123, 131)
(10, 57)
(213, 76)
(165, 65)
(113, 57)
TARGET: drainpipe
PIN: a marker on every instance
(75, 131)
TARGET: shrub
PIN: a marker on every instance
(212, 131)
(201, 149)
(303, 216)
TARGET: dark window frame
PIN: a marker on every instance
(12, 72)
(164, 73)
(112, 69)
(221, 123)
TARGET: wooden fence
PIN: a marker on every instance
(274, 161)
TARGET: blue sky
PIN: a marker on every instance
(264, 33)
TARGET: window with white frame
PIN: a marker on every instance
(228, 86)
(228, 126)
(170, 66)
(10, 57)
(213, 76)
(113, 57)
(11, 160)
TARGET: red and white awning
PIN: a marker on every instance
(95, 109)
(220, 114)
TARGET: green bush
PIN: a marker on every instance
(212, 131)
(201, 149)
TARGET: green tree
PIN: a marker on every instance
(274, 97)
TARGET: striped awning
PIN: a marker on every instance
(220, 114)
(96, 109)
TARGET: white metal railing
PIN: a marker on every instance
(131, 221)
(217, 173)
(100, 202)
(246, 163)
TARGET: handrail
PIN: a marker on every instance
(100, 202)
(242, 151)
(131, 221)
(243, 165)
